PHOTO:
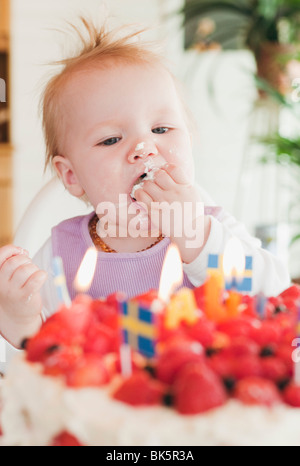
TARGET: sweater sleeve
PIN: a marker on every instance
(270, 274)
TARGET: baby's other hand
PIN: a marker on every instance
(20, 300)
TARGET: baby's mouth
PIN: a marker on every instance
(137, 184)
(150, 169)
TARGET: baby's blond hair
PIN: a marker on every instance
(97, 45)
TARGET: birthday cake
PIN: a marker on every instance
(197, 380)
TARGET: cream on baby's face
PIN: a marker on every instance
(117, 118)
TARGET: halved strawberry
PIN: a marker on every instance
(89, 372)
(61, 359)
(198, 389)
(139, 389)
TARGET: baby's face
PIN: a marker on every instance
(117, 118)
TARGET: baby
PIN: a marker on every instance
(118, 135)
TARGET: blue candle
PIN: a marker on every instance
(60, 281)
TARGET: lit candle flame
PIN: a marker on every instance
(234, 260)
(171, 274)
(86, 271)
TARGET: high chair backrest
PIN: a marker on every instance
(51, 205)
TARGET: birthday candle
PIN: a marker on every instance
(261, 301)
(125, 360)
(60, 281)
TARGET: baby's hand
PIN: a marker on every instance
(176, 209)
(20, 300)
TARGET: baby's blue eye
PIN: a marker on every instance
(110, 141)
(160, 130)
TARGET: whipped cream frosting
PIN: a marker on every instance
(37, 407)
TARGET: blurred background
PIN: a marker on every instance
(239, 63)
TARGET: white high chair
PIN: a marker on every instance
(51, 205)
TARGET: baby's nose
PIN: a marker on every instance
(142, 150)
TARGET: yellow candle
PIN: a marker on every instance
(213, 292)
(181, 308)
(232, 303)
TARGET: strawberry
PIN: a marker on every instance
(165, 334)
(247, 365)
(38, 346)
(222, 364)
(90, 372)
(174, 357)
(293, 292)
(139, 389)
(197, 389)
(203, 331)
(285, 353)
(106, 312)
(291, 395)
(75, 318)
(256, 390)
(239, 326)
(101, 339)
(65, 439)
(273, 368)
(241, 346)
(268, 332)
(62, 359)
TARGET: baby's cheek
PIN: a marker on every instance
(184, 160)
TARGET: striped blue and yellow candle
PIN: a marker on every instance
(60, 281)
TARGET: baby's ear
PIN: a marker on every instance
(65, 172)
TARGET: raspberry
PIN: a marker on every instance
(174, 357)
(139, 389)
(256, 390)
(198, 389)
